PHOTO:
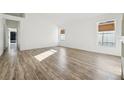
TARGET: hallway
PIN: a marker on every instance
(7, 62)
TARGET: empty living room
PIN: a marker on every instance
(61, 46)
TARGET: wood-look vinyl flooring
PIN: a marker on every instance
(65, 64)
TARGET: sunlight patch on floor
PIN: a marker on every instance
(45, 54)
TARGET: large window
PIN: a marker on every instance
(106, 34)
(62, 35)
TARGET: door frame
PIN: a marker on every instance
(12, 30)
(20, 27)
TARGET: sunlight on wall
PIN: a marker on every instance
(45, 54)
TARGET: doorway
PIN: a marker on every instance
(11, 35)
(12, 38)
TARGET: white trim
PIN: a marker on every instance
(59, 35)
(21, 21)
(12, 29)
(12, 17)
(122, 39)
(1, 35)
(122, 67)
(97, 24)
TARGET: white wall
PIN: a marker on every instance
(81, 34)
(122, 52)
(1, 36)
(38, 32)
(5, 36)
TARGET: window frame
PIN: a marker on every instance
(62, 34)
(97, 33)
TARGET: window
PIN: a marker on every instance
(106, 34)
(62, 35)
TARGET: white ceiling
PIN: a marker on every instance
(60, 18)
(70, 15)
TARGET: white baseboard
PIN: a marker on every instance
(1, 52)
(39, 46)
